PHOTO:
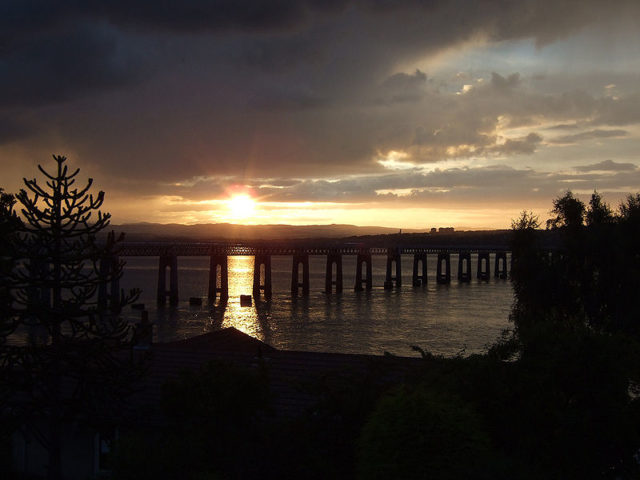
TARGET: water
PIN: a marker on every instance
(444, 319)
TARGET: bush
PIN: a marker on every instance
(214, 428)
(421, 433)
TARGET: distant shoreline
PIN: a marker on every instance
(226, 232)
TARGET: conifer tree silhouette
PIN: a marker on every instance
(71, 356)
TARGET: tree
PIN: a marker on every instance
(599, 212)
(9, 224)
(69, 358)
(526, 222)
(576, 329)
(569, 212)
(630, 210)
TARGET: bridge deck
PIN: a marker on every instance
(150, 249)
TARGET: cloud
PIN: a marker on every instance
(341, 37)
(52, 67)
(563, 127)
(252, 91)
(487, 185)
(185, 16)
(607, 166)
(403, 87)
(589, 135)
(525, 145)
(623, 110)
(505, 85)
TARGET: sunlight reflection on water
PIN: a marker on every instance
(244, 318)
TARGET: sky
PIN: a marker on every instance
(407, 114)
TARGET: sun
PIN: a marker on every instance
(241, 206)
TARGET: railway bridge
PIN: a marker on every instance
(218, 254)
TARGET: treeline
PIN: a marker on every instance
(590, 278)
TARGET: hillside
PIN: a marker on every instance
(225, 231)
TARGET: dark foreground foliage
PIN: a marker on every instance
(564, 414)
(555, 398)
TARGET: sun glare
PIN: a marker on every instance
(241, 206)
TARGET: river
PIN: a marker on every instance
(443, 319)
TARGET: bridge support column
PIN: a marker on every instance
(464, 267)
(333, 257)
(419, 278)
(484, 268)
(258, 286)
(364, 258)
(393, 255)
(216, 261)
(500, 265)
(109, 276)
(300, 259)
(443, 277)
(170, 262)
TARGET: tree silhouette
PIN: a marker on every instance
(576, 333)
(9, 224)
(593, 275)
(598, 212)
(68, 357)
(569, 212)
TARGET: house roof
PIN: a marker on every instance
(225, 340)
(288, 371)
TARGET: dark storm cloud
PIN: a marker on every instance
(53, 51)
(38, 35)
(46, 68)
(183, 90)
(183, 16)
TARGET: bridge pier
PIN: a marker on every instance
(500, 266)
(363, 258)
(333, 257)
(262, 284)
(300, 259)
(216, 261)
(443, 278)
(464, 267)
(419, 279)
(109, 276)
(484, 268)
(170, 262)
(393, 256)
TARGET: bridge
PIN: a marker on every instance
(218, 253)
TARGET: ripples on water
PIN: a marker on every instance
(443, 319)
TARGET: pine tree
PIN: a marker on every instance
(9, 225)
(68, 357)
